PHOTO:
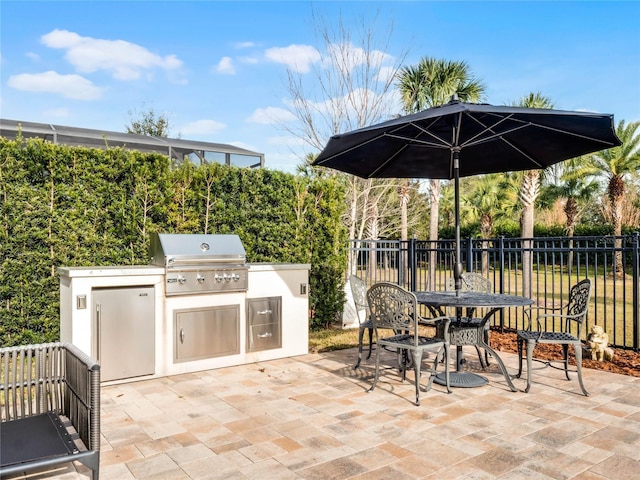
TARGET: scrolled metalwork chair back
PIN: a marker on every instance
(392, 307)
(474, 282)
(579, 300)
(359, 292)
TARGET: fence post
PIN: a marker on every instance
(501, 257)
(411, 247)
(635, 270)
(469, 267)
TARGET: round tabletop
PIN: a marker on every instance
(471, 299)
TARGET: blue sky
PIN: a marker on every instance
(218, 69)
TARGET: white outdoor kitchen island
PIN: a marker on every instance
(123, 317)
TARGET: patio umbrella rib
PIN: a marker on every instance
(387, 161)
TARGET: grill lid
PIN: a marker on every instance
(175, 249)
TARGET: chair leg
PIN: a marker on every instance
(446, 368)
(486, 340)
(480, 359)
(578, 352)
(520, 342)
(565, 358)
(370, 342)
(360, 340)
(375, 378)
(530, 346)
(417, 360)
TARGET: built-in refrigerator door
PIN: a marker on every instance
(124, 331)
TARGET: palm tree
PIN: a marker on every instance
(430, 83)
(486, 201)
(529, 191)
(576, 190)
(617, 166)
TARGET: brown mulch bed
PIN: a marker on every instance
(625, 362)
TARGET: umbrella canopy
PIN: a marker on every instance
(490, 139)
(462, 139)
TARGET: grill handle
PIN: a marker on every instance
(182, 335)
(264, 312)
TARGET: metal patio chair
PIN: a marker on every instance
(571, 316)
(474, 282)
(359, 292)
(394, 308)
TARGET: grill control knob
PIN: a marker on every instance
(236, 277)
(181, 280)
(218, 278)
(200, 278)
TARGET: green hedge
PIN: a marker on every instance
(73, 206)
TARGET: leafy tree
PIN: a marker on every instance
(616, 166)
(147, 121)
(487, 199)
(75, 206)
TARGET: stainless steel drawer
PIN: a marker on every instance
(264, 323)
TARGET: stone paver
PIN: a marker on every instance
(310, 417)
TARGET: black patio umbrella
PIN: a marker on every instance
(462, 139)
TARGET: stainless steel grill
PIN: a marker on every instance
(198, 263)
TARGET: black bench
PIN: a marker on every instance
(49, 408)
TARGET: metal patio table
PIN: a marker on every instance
(467, 333)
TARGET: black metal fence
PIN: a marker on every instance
(612, 263)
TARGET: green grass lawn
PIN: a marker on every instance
(328, 339)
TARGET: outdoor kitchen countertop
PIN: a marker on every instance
(120, 270)
(110, 271)
(278, 266)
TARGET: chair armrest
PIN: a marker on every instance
(441, 324)
(83, 395)
(529, 311)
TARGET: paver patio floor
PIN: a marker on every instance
(310, 417)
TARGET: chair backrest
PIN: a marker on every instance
(392, 307)
(474, 282)
(471, 282)
(579, 296)
(359, 293)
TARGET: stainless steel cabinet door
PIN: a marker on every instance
(207, 332)
(124, 331)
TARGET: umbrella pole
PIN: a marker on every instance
(457, 268)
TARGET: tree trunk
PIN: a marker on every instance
(403, 193)
(486, 230)
(528, 194)
(616, 189)
(434, 202)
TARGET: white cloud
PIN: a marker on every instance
(225, 65)
(69, 86)
(298, 58)
(202, 127)
(271, 115)
(123, 60)
(33, 56)
(385, 74)
(346, 56)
